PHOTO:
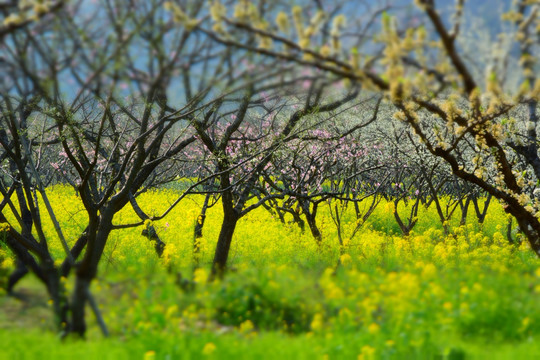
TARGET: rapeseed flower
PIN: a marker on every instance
(209, 348)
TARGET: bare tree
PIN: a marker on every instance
(115, 93)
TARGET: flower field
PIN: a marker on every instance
(465, 294)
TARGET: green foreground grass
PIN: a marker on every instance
(464, 295)
(36, 345)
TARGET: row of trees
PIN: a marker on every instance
(262, 103)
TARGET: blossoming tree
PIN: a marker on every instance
(485, 130)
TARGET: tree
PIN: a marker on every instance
(235, 195)
(325, 162)
(115, 91)
(485, 132)
(243, 153)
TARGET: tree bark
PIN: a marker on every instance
(313, 228)
(78, 302)
(58, 296)
(199, 224)
(310, 218)
(98, 233)
(224, 244)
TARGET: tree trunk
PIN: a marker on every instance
(404, 229)
(98, 233)
(481, 215)
(528, 224)
(197, 232)
(509, 231)
(464, 210)
(58, 296)
(298, 220)
(149, 232)
(224, 244)
(313, 227)
(199, 224)
(78, 302)
(310, 215)
(20, 271)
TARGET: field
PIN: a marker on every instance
(466, 294)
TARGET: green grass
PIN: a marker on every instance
(37, 345)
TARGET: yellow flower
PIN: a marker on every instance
(346, 259)
(209, 348)
(374, 328)
(246, 326)
(390, 207)
(200, 275)
(171, 310)
(368, 352)
(525, 324)
(429, 271)
(317, 322)
(150, 355)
